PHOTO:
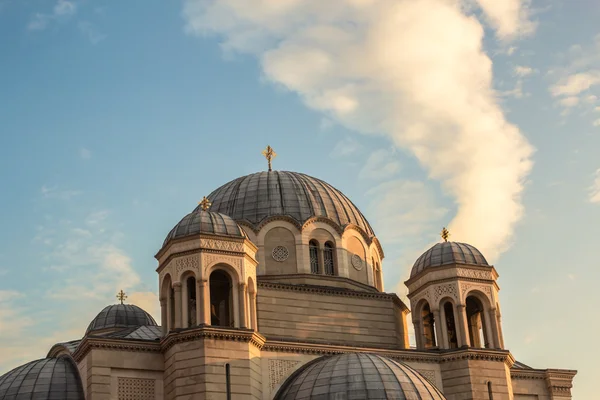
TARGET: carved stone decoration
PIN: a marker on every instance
(423, 295)
(448, 289)
(280, 253)
(223, 245)
(279, 370)
(428, 374)
(357, 262)
(470, 273)
(136, 388)
(466, 287)
(188, 263)
(211, 259)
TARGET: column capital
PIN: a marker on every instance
(177, 285)
(243, 285)
(163, 301)
(202, 281)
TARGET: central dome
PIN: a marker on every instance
(256, 197)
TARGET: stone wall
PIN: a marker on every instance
(329, 318)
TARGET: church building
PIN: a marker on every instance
(272, 288)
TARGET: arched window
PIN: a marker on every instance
(476, 323)
(450, 325)
(328, 259)
(490, 391)
(428, 327)
(191, 299)
(220, 299)
(313, 247)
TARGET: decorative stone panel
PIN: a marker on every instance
(187, 263)
(279, 370)
(280, 253)
(211, 259)
(223, 245)
(136, 389)
(466, 287)
(428, 374)
(445, 290)
(356, 262)
(471, 273)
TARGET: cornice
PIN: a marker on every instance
(209, 332)
(414, 293)
(329, 291)
(550, 374)
(479, 354)
(90, 343)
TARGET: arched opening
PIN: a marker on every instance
(476, 323)
(313, 247)
(379, 281)
(221, 299)
(328, 259)
(166, 304)
(428, 327)
(450, 325)
(190, 283)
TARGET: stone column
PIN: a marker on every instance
(418, 333)
(500, 334)
(439, 336)
(185, 317)
(163, 316)
(463, 328)
(444, 324)
(200, 301)
(494, 328)
(204, 294)
(242, 299)
(177, 289)
(321, 259)
(253, 314)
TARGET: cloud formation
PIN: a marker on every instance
(413, 70)
(576, 83)
(61, 9)
(595, 188)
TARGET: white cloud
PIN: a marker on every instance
(90, 31)
(510, 18)
(85, 154)
(594, 189)
(61, 9)
(570, 101)
(576, 83)
(414, 70)
(381, 165)
(345, 147)
(53, 192)
(591, 99)
(596, 122)
(522, 71)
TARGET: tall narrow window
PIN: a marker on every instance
(328, 258)
(220, 299)
(490, 391)
(450, 325)
(314, 256)
(428, 327)
(191, 292)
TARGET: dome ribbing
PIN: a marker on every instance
(448, 253)
(121, 316)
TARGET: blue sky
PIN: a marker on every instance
(117, 117)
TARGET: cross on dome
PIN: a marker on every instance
(445, 234)
(269, 154)
(205, 203)
(121, 296)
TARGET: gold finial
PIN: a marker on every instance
(205, 203)
(269, 154)
(121, 296)
(445, 234)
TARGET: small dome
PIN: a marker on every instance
(121, 316)
(256, 197)
(448, 253)
(45, 379)
(205, 222)
(357, 376)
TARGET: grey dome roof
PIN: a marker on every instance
(121, 316)
(206, 222)
(45, 379)
(448, 253)
(255, 197)
(357, 376)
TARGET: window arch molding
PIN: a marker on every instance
(235, 280)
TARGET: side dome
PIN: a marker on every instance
(120, 316)
(45, 379)
(448, 253)
(256, 197)
(205, 222)
(357, 376)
